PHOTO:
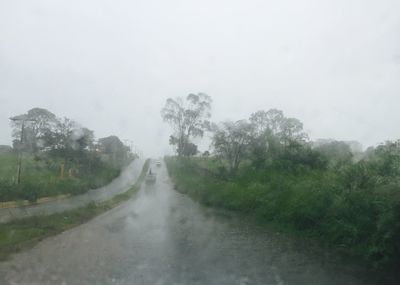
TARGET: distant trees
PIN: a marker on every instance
(270, 139)
(69, 141)
(337, 153)
(35, 124)
(53, 155)
(114, 150)
(231, 141)
(275, 136)
(267, 121)
(273, 123)
(49, 137)
(188, 118)
(63, 137)
(266, 137)
(386, 158)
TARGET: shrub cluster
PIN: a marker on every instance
(356, 207)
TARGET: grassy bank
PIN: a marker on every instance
(314, 203)
(41, 178)
(24, 233)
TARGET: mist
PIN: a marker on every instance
(110, 65)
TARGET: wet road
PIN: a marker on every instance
(162, 237)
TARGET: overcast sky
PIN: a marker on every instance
(110, 65)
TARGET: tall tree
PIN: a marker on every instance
(60, 142)
(264, 121)
(37, 122)
(188, 117)
(274, 134)
(337, 153)
(292, 131)
(230, 141)
(386, 158)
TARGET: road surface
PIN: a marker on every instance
(162, 237)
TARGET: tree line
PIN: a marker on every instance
(267, 136)
(41, 133)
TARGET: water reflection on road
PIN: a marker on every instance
(163, 237)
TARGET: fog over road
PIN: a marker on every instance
(163, 237)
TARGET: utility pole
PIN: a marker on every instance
(23, 119)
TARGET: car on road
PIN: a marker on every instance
(151, 177)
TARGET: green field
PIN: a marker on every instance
(30, 168)
(41, 178)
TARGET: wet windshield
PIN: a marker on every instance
(199, 142)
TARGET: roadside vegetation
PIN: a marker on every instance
(25, 233)
(267, 166)
(56, 156)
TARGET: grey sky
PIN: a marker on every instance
(110, 65)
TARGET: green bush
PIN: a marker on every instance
(352, 207)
